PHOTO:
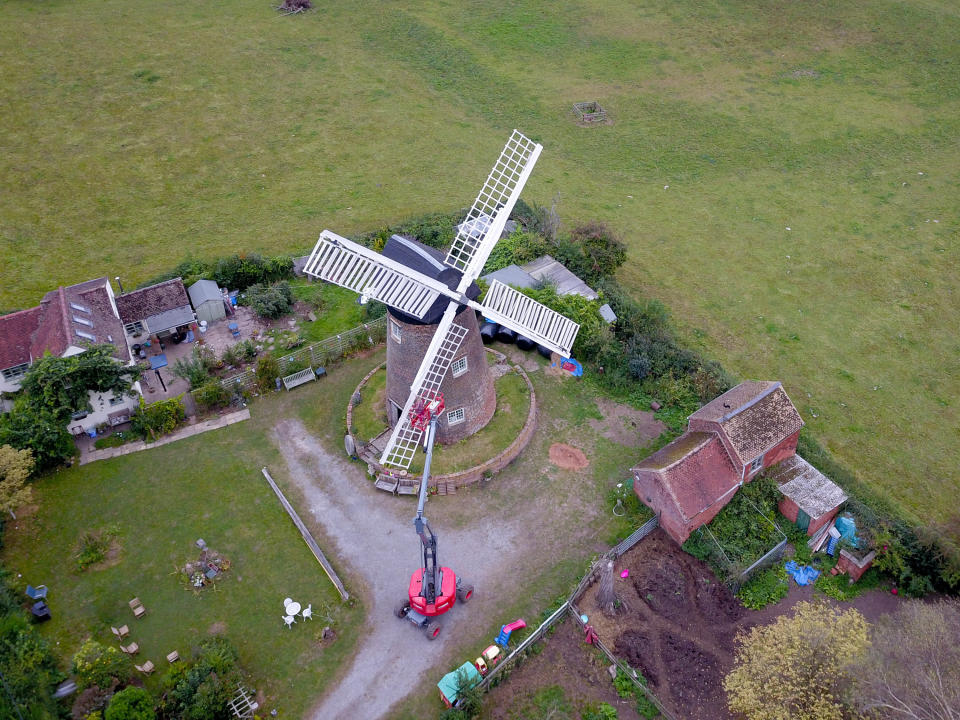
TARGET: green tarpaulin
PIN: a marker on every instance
(450, 683)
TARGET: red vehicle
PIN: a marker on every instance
(433, 590)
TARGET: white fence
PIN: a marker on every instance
(316, 354)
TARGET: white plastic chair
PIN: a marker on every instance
(289, 620)
(308, 612)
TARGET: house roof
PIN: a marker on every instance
(203, 291)
(16, 335)
(77, 315)
(754, 416)
(695, 471)
(809, 488)
(546, 269)
(514, 276)
(151, 301)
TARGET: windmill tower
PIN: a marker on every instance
(467, 387)
(440, 299)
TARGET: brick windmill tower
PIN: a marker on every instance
(433, 342)
(467, 387)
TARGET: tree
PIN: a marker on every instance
(131, 703)
(38, 429)
(61, 384)
(798, 668)
(15, 468)
(158, 418)
(270, 301)
(912, 669)
(607, 599)
(100, 665)
(603, 251)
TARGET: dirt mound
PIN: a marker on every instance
(663, 588)
(568, 457)
(634, 647)
(694, 673)
(715, 600)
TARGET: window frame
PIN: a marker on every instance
(133, 328)
(12, 374)
(460, 412)
(454, 372)
(395, 331)
(756, 465)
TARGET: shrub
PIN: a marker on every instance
(268, 370)
(270, 301)
(100, 665)
(93, 546)
(201, 689)
(602, 711)
(516, 249)
(211, 396)
(196, 369)
(239, 272)
(90, 703)
(151, 421)
(131, 703)
(602, 252)
(765, 588)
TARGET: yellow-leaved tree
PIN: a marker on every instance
(798, 668)
(15, 468)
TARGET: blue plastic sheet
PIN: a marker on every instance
(803, 574)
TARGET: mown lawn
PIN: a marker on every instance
(161, 501)
(786, 174)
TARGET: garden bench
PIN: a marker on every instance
(298, 378)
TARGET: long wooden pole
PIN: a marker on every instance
(308, 538)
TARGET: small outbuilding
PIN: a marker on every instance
(810, 499)
(207, 300)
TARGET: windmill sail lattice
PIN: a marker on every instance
(481, 229)
(358, 268)
(405, 439)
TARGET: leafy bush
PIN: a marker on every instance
(113, 440)
(196, 368)
(131, 703)
(93, 546)
(601, 251)
(238, 272)
(269, 301)
(90, 703)
(765, 588)
(626, 688)
(516, 249)
(156, 419)
(840, 588)
(268, 370)
(100, 665)
(602, 711)
(201, 688)
(211, 396)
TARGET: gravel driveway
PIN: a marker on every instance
(375, 537)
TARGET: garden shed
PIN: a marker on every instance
(810, 499)
(207, 300)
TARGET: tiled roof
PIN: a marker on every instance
(754, 416)
(809, 488)
(78, 315)
(695, 470)
(16, 333)
(153, 300)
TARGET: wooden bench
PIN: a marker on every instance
(386, 483)
(298, 378)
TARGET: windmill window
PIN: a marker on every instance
(17, 371)
(394, 331)
(133, 328)
(459, 366)
(756, 465)
(455, 417)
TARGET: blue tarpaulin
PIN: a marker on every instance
(803, 574)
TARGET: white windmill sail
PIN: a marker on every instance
(357, 268)
(528, 317)
(481, 229)
(405, 439)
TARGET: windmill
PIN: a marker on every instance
(434, 590)
(413, 293)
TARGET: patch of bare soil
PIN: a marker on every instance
(626, 425)
(218, 628)
(111, 556)
(563, 661)
(568, 457)
(678, 629)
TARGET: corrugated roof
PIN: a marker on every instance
(695, 470)
(546, 269)
(809, 488)
(170, 319)
(514, 276)
(152, 300)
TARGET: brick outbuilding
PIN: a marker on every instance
(810, 499)
(728, 441)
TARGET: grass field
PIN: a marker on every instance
(785, 174)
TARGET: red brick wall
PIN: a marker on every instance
(781, 451)
(854, 567)
(473, 391)
(788, 508)
(648, 484)
(817, 523)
